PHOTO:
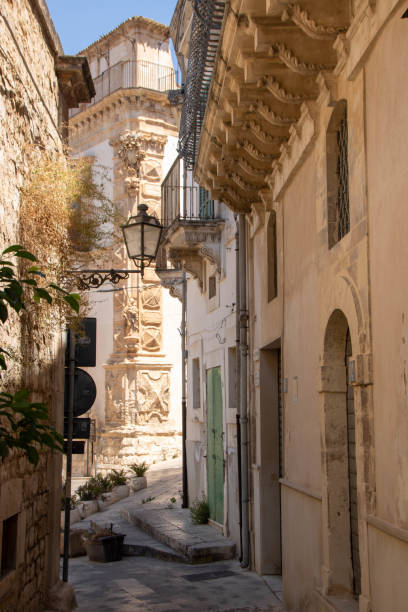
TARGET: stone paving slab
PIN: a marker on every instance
(174, 528)
(139, 583)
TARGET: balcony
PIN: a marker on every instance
(192, 227)
(130, 75)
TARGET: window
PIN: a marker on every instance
(196, 384)
(212, 287)
(338, 212)
(272, 261)
(232, 378)
(9, 545)
(206, 204)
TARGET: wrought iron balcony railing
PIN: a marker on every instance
(186, 203)
(129, 75)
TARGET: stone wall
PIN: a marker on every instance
(29, 102)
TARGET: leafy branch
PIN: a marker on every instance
(23, 424)
(26, 426)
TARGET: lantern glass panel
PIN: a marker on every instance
(133, 237)
(151, 239)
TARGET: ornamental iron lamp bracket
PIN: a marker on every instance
(142, 235)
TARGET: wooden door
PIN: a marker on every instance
(215, 451)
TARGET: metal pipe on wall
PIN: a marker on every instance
(183, 389)
(237, 377)
(243, 343)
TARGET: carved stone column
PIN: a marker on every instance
(137, 377)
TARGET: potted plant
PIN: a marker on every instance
(119, 489)
(103, 544)
(138, 479)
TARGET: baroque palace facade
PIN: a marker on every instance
(293, 121)
(129, 129)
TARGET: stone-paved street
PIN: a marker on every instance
(140, 583)
(151, 584)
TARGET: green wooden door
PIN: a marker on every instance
(215, 452)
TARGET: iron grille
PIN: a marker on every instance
(342, 200)
(131, 74)
(204, 39)
(183, 199)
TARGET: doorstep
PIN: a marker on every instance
(175, 529)
(329, 603)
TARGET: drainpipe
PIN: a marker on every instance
(183, 388)
(237, 378)
(243, 328)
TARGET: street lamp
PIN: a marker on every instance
(142, 238)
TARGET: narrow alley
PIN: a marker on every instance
(144, 581)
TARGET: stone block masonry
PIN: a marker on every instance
(32, 108)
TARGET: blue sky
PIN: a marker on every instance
(80, 22)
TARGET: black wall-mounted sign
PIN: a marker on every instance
(78, 447)
(81, 429)
(84, 392)
(85, 344)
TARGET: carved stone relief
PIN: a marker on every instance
(151, 298)
(152, 396)
(151, 338)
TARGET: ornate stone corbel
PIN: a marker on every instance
(255, 153)
(327, 89)
(342, 47)
(281, 51)
(255, 173)
(257, 218)
(272, 118)
(280, 93)
(267, 198)
(261, 135)
(74, 79)
(191, 260)
(213, 254)
(299, 16)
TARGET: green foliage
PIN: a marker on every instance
(173, 500)
(95, 487)
(139, 469)
(147, 500)
(23, 424)
(12, 287)
(74, 502)
(200, 511)
(117, 477)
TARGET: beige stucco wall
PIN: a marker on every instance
(387, 149)
(210, 333)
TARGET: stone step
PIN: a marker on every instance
(155, 551)
(174, 529)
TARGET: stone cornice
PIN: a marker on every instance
(74, 79)
(153, 104)
(50, 34)
(143, 23)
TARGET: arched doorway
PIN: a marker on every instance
(339, 467)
